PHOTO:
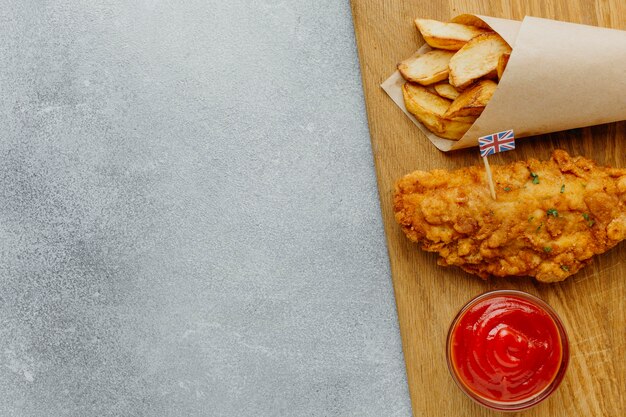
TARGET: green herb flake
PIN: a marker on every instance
(562, 188)
(535, 178)
(588, 220)
(565, 268)
(507, 189)
(539, 227)
(547, 249)
(531, 218)
(552, 212)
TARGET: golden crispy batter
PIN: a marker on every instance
(549, 219)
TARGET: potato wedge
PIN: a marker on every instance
(451, 36)
(478, 58)
(454, 129)
(427, 68)
(466, 119)
(470, 20)
(429, 109)
(472, 101)
(502, 61)
(445, 90)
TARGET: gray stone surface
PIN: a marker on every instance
(189, 219)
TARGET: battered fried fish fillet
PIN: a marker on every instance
(549, 219)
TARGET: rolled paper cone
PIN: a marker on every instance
(559, 76)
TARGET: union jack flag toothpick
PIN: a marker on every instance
(494, 143)
(497, 142)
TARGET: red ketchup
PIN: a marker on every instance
(507, 350)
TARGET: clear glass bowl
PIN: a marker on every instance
(524, 403)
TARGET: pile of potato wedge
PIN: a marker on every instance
(448, 87)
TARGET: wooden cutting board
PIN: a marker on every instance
(591, 303)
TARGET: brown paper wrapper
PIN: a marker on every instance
(559, 76)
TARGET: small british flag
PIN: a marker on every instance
(497, 142)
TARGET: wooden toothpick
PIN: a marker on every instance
(489, 178)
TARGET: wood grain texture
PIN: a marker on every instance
(592, 303)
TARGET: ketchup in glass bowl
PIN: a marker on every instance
(507, 350)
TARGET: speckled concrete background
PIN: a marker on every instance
(189, 219)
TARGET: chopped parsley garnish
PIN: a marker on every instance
(562, 188)
(540, 226)
(507, 189)
(547, 249)
(535, 178)
(589, 221)
(552, 212)
(565, 268)
(531, 218)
